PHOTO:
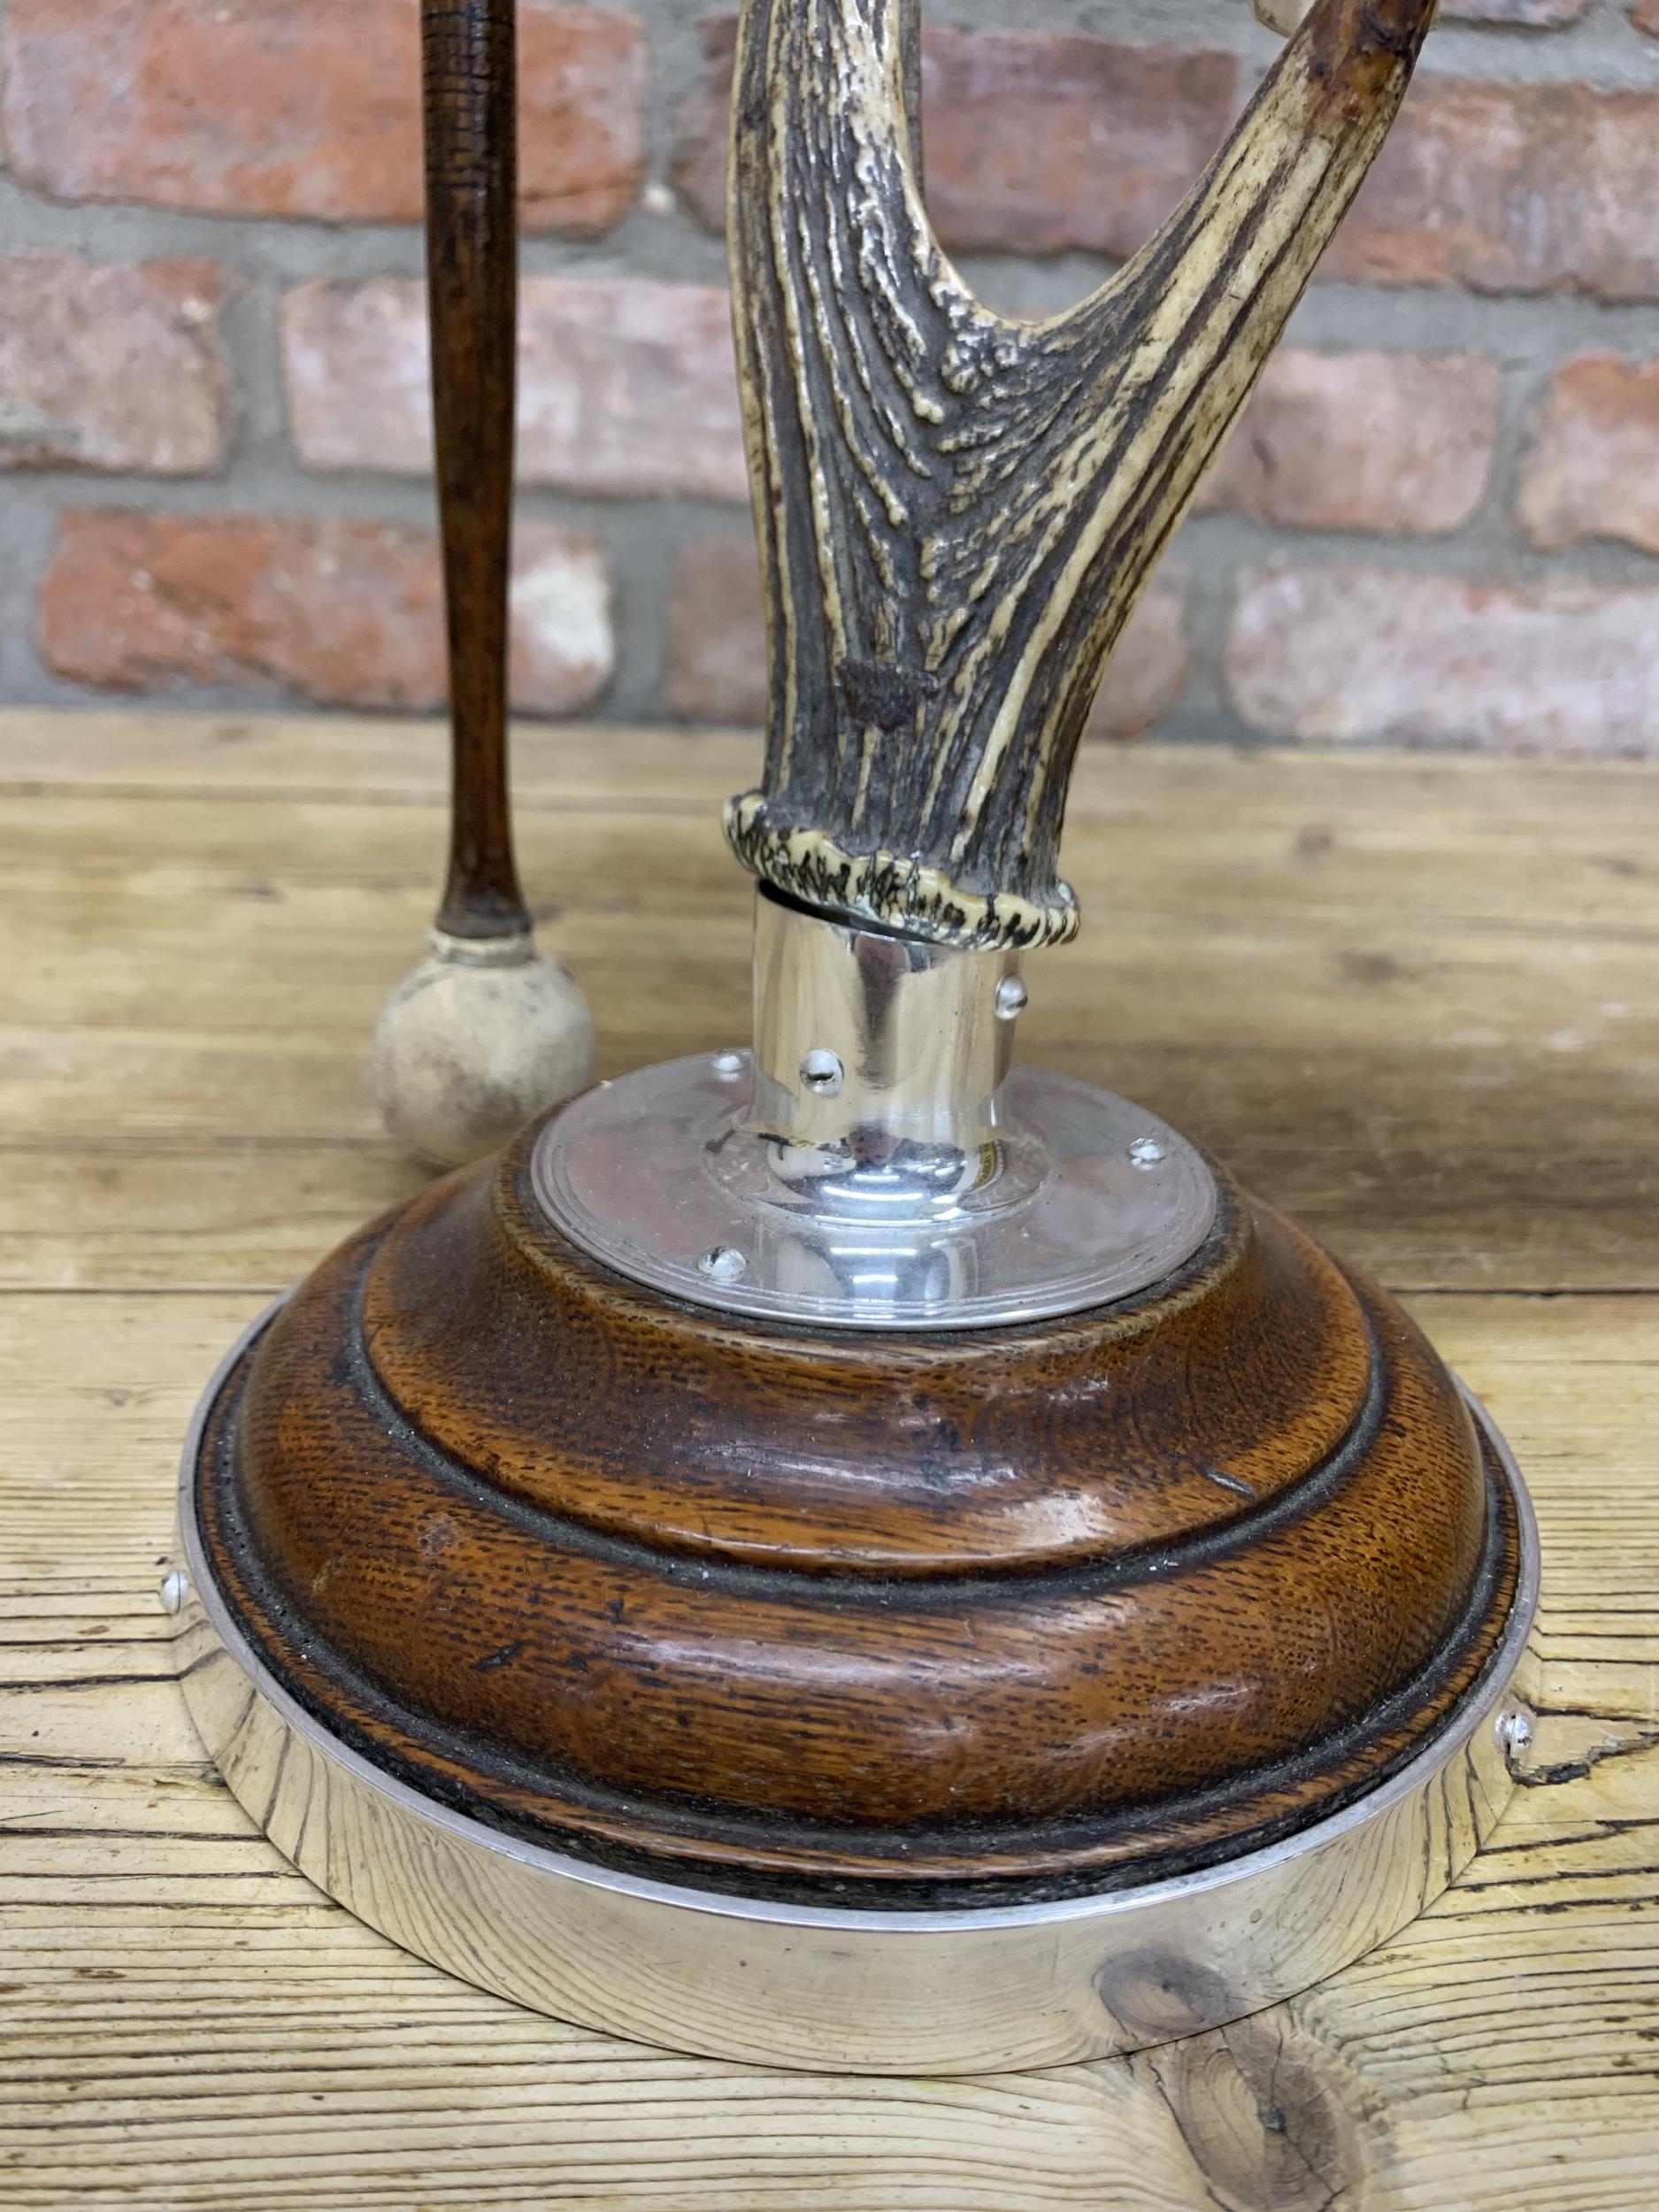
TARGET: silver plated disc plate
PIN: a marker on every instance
(831, 1990)
(637, 1174)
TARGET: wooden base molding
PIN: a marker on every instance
(947, 1621)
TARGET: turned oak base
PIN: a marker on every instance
(802, 1628)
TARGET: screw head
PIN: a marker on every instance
(727, 1064)
(1146, 1152)
(1010, 999)
(822, 1072)
(724, 1265)
(175, 1587)
(1515, 1733)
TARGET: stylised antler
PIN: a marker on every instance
(958, 512)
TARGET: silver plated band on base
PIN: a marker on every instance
(845, 1990)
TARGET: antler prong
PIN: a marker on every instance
(958, 512)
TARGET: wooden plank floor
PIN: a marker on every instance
(1415, 1000)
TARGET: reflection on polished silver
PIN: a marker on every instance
(822, 1073)
(1515, 1733)
(723, 1266)
(836, 1989)
(874, 1163)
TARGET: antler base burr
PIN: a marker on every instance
(857, 1554)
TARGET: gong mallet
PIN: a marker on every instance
(485, 1032)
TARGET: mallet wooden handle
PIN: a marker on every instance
(468, 60)
(958, 512)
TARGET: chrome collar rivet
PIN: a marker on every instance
(1010, 999)
(1146, 1152)
(822, 1072)
(175, 1587)
(728, 1065)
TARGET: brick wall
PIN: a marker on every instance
(1439, 525)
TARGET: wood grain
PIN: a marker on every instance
(469, 129)
(1335, 972)
(186, 2024)
(523, 1533)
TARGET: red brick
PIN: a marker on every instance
(1400, 442)
(698, 167)
(1148, 672)
(1362, 656)
(717, 651)
(1520, 187)
(1592, 471)
(305, 108)
(112, 367)
(716, 635)
(1037, 141)
(627, 387)
(1538, 15)
(1040, 142)
(344, 613)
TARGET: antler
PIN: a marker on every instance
(958, 512)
